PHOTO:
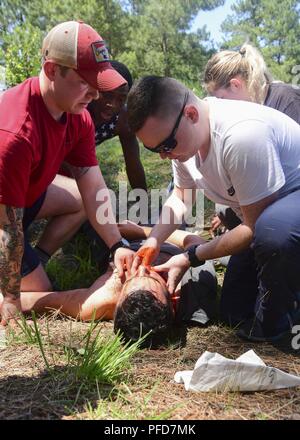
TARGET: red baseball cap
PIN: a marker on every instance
(77, 45)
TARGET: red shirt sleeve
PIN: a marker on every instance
(15, 168)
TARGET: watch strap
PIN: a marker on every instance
(121, 243)
(194, 260)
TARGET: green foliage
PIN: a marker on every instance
(149, 36)
(160, 42)
(28, 332)
(104, 360)
(25, 333)
(75, 270)
(152, 36)
(22, 53)
(271, 26)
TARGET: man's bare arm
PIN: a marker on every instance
(76, 172)
(182, 239)
(11, 252)
(131, 151)
(240, 237)
(97, 301)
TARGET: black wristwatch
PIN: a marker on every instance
(121, 243)
(191, 251)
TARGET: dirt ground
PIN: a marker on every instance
(28, 391)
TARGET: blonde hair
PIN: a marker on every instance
(247, 63)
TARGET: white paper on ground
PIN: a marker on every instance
(214, 372)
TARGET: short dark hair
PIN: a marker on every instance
(123, 71)
(153, 96)
(140, 313)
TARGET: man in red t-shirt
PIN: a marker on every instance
(43, 123)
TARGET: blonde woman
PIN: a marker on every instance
(243, 75)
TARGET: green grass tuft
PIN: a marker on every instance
(102, 359)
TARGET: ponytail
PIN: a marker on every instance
(247, 63)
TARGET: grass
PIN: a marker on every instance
(73, 267)
(103, 360)
(125, 405)
(110, 156)
(96, 359)
(146, 391)
(75, 364)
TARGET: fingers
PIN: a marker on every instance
(161, 268)
(142, 270)
(119, 266)
(129, 261)
(123, 261)
(215, 225)
(171, 286)
(173, 281)
(137, 261)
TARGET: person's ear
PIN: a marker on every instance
(236, 85)
(50, 69)
(191, 112)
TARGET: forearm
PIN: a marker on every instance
(240, 237)
(185, 239)
(171, 218)
(230, 243)
(97, 301)
(132, 231)
(80, 304)
(11, 251)
(97, 203)
(134, 167)
(136, 175)
(68, 302)
(179, 238)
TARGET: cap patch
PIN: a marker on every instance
(100, 51)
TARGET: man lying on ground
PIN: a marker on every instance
(141, 302)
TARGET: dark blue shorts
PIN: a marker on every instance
(30, 260)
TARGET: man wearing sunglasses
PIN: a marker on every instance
(248, 157)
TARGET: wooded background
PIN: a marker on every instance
(154, 36)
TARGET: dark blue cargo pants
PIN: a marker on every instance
(263, 282)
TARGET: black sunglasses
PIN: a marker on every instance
(170, 142)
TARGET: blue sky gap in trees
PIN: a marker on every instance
(213, 20)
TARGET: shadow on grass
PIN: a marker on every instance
(49, 396)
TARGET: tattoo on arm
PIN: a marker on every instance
(76, 172)
(11, 250)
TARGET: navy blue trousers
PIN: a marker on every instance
(30, 260)
(264, 281)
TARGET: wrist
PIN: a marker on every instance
(194, 259)
(153, 242)
(122, 243)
